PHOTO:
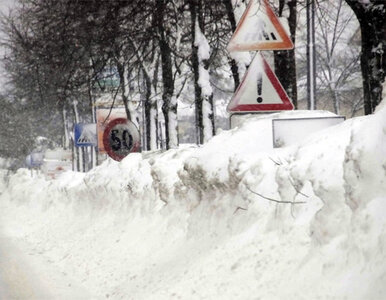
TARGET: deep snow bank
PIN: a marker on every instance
(233, 219)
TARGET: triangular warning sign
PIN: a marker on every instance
(259, 29)
(260, 90)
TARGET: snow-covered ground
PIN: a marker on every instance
(233, 219)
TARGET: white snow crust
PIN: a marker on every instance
(205, 222)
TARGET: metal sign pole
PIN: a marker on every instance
(311, 67)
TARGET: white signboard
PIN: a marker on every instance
(289, 131)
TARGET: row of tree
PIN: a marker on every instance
(59, 54)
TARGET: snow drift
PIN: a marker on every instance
(233, 219)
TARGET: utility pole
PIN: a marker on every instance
(311, 66)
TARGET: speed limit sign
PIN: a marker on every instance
(120, 138)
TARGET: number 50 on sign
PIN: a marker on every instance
(120, 138)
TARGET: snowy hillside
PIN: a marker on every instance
(233, 219)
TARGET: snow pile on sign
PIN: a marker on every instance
(233, 219)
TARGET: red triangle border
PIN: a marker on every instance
(286, 44)
(286, 105)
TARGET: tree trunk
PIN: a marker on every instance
(195, 66)
(147, 123)
(154, 109)
(151, 119)
(285, 63)
(169, 105)
(122, 84)
(66, 143)
(200, 62)
(153, 125)
(371, 17)
(232, 61)
(130, 106)
(150, 107)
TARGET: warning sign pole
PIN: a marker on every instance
(311, 64)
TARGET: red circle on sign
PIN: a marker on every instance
(114, 154)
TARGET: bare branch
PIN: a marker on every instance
(274, 200)
(239, 208)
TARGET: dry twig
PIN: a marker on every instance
(274, 200)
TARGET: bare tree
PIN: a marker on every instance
(200, 63)
(337, 58)
(169, 106)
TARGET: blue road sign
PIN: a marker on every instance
(85, 135)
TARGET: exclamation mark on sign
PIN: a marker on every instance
(259, 87)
